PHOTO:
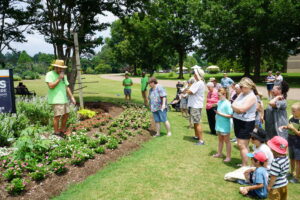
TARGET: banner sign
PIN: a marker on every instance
(7, 95)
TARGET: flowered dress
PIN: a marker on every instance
(155, 97)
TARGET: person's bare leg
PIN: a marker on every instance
(64, 122)
(198, 132)
(144, 95)
(129, 96)
(292, 163)
(297, 170)
(157, 125)
(220, 145)
(228, 148)
(244, 149)
(168, 127)
(56, 124)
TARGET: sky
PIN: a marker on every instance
(36, 43)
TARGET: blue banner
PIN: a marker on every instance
(7, 95)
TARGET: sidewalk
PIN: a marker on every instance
(293, 94)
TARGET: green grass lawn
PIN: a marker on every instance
(164, 167)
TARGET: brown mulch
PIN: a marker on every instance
(53, 185)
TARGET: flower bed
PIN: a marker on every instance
(36, 156)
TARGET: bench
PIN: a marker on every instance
(24, 92)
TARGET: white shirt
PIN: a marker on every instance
(196, 99)
(278, 80)
(267, 151)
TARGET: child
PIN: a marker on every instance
(223, 115)
(294, 141)
(278, 182)
(259, 179)
(258, 139)
(183, 101)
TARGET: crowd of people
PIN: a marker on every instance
(239, 106)
(229, 105)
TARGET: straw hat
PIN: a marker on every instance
(211, 79)
(59, 63)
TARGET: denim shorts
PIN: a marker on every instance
(270, 87)
(160, 116)
(127, 92)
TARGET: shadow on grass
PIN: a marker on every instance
(233, 163)
(189, 138)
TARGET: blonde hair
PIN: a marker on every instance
(223, 92)
(247, 82)
(296, 105)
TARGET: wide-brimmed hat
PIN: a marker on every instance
(211, 79)
(260, 134)
(199, 73)
(278, 144)
(260, 156)
(59, 63)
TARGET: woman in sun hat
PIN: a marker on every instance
(244, 108)
(58, 94)
(279, 168)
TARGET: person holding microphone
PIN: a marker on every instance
(58, 94)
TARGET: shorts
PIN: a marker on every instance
(160, 116)
(279, 193)
(270, 87)
(221, 133)
(195, 115)
(242, 129)
(294, 147)
(60, 109)
(127, 92)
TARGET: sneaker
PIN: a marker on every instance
(294, 180)
(169, 134)
(195, 138)
(156, 135)
(233, 140)
(200, 143)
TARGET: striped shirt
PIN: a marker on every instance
(279, 168)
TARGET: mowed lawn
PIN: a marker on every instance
(164, 167)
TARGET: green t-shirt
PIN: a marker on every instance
(127, 82)
(144, 83)
(57, 95)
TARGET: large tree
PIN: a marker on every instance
(59, 19)
(249, 31)
(15, 18)
(175, 25)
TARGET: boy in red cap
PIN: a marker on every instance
(279, 168)
(259, 179)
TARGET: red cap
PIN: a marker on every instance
(260, 156)
(278, 144)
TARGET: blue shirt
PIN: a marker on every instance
(223, 123)
(155, 97)
(260, 176)
(226, 82)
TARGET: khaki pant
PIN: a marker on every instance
(60, 109)
(278, 193)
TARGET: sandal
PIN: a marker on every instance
(227, 160)
(217, 156)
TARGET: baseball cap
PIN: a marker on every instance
(260, 156)
(278, 144)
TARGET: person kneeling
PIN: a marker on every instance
(258, 179)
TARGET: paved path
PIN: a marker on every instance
(294, 93)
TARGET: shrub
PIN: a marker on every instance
(112, 143)
(16, 186)
(86, 114)
(58, 166)
(30, 75)
(100, 150)
(17, 78)
(11, 173)
(103, 139)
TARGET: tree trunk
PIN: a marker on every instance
(284, 67)
(246, 61)
(181, 56)
(257, 61)
(72, 74)
(134, 70)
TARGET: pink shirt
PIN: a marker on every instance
(212, 98)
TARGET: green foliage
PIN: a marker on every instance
(100, 150)
(86, 114)
(112, 143)
(17, 78)
(39, 173)
(12, 172)
(213, 70)
(58, 166)
(30, 75)
(90, 70)
(103, 139)
(16, 186)
(103, 68)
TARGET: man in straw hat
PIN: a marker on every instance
(195, 102)
(57, 96)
